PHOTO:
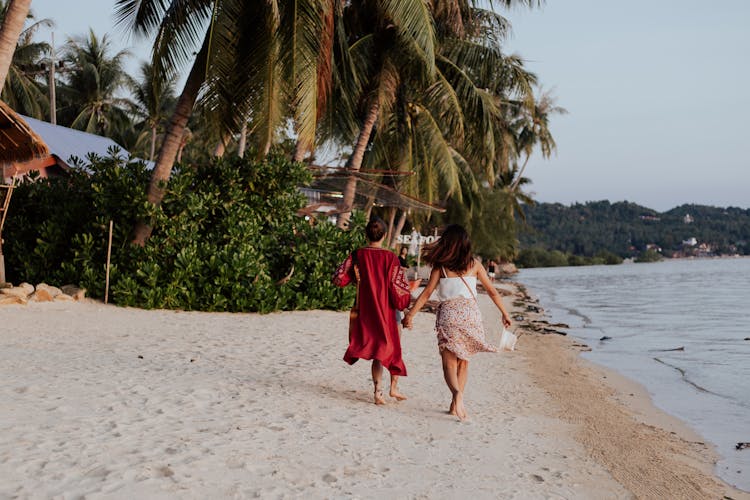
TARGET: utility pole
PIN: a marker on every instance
(52, 103)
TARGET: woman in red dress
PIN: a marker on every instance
(383, 290)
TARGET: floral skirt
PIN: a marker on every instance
(459, 328)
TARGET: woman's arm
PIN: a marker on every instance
(423, 297)
(493, 293)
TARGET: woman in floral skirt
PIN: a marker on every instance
(458, 324)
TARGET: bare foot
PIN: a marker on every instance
(459, 407)
(396, 394)
(452, 409)
(379, 399)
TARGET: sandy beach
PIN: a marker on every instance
(108, 402)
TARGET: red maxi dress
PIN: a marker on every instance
(383, 289)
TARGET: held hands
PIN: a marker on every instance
(406, 322)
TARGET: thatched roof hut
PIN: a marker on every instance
(18, 143)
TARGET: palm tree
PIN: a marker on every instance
(510, 184)
(439, 104)
(24, 90)
(277, 71)
(177, 28)
(256, 59)
(89, 92)
(389, 41)
(154, 97)
(15, 17)
(535, 130)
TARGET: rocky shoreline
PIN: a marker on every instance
(26, 292)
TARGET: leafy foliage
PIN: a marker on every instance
(89, 93)
(227, 237)
(24, 89)
(538, 257)
(489, 221)
(649, 256)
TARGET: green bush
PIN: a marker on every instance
(577, 260)
(648, 256)
(226, 237)
(608, 258)
(539, 257)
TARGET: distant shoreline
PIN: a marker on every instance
(633, 261)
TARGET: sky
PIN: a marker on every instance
(657, 93)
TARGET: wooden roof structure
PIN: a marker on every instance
(329, 182)
(382, 195)
(18, 143)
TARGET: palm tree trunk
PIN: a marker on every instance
(221, 147)
(517, 180)
(243, 140)
(15, 17)
(397, 230)
(391, 218)
(173, 139)
(368, 207)
(355, 163)
(153, 144)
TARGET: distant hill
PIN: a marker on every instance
(628, 229)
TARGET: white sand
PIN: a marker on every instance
(243, 406)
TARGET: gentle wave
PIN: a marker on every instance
(649, 312)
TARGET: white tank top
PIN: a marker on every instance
(453, 287)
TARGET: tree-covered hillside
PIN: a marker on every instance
(628, 229)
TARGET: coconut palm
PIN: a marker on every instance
(24, 88)
(450, 102)
(154, 96)
(535, 129)
(89, 92)
(389, 41)
(279, 70)
(177, 27)
(510, 184)
(444, 133)
(16, 12)
(256, 59)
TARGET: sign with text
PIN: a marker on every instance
(407, 239)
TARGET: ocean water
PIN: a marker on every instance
(701, 305)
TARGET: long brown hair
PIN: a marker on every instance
(452, 250)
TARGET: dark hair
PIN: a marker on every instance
(375, 229)
(452, 250)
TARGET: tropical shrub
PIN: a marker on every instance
(226, 237)
(649, 256)
(539, 257)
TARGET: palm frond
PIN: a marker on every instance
(182, 27)
(413, 20)
(437, 153)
